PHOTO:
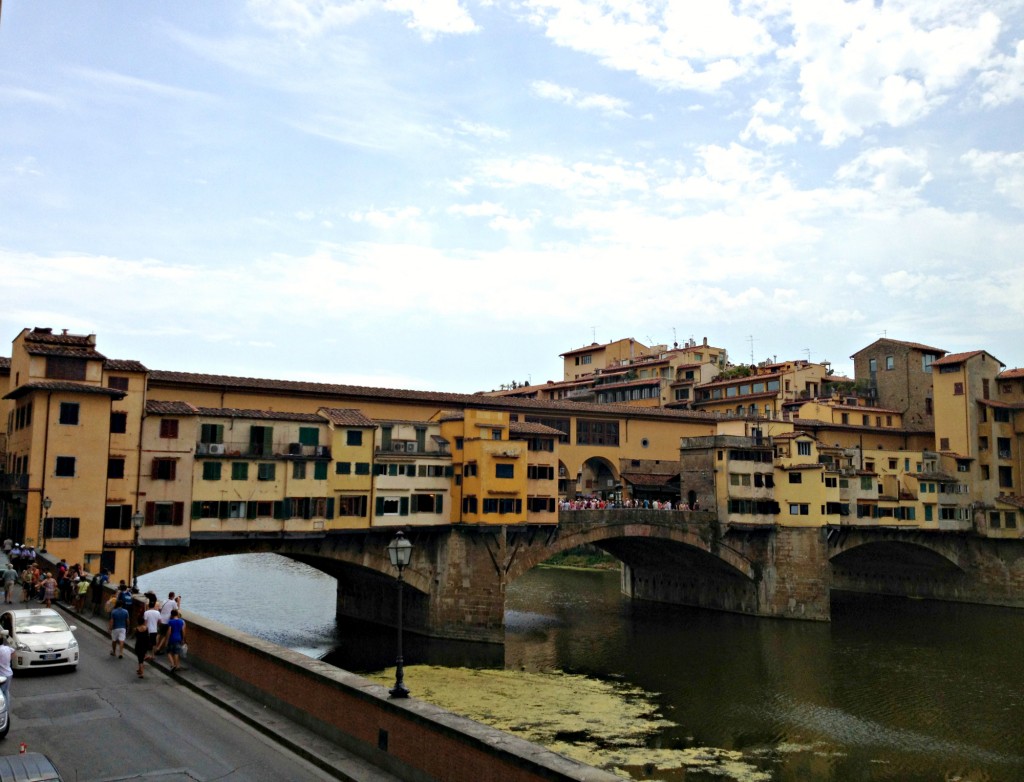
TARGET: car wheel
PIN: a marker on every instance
(7, 727)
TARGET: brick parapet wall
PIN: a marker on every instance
(423, 742)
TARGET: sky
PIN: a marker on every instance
(447, 194)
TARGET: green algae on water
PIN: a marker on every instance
(601, 723)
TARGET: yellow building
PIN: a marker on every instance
(762, 390)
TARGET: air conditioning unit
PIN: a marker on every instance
(410, 447)
(217, 449)
(398, 447)
(202, 449)
(321, 450)
(295, 449)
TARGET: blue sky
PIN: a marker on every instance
(446, 195)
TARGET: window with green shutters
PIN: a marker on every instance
(211, 433)
(320, 471)
(343, 468)
(299, 470)
(362, 468)
(211, 471)
(266, 472)
(354, 437)
(309, 435)
(261, 440)
(240, 471)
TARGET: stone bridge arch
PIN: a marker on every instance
(657, 528)
(898, 562)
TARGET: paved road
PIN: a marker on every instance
(104, 723)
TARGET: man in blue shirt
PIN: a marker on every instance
(118, 630)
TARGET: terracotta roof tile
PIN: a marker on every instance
(912, 345)
(123, 365)
(1008, 374)
(165, 379)
(170, 408)
(345, 416)
(523, 427)
(959, 358)
(66, 386)
(1016, 500)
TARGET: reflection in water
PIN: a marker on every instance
(890, 690)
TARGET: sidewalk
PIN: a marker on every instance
(311, 746)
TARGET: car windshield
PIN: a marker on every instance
(41, 624)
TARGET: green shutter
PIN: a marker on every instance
(403, 506)
(330, 507)
(279, 509)
(197, 510)
(379, 507)
(223, 510)
(250, 509)
(320, 471)
(438, 503)
(268, 439)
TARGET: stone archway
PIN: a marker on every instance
(597, 478)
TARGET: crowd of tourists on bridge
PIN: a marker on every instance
(597, 503)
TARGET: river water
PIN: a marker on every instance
(890, 690)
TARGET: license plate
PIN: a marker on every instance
(49, 657)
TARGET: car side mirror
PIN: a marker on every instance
(72, 628)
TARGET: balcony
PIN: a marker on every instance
(246, 450)
(13, 482)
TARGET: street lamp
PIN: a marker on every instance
(47, 502)
(137, 519)
(400, 554)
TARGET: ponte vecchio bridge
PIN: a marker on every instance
(457, 579)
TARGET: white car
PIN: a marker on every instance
(40, 638)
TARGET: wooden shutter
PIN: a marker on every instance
(197, 509)
(330, 507)
(178, 520)
(73, 527)
(403, 506)
(379, 507)
(150, 514)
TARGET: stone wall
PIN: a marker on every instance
(409, 738)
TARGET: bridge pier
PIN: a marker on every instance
(455, 586)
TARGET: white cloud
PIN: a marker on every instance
(581, 178)
(1006, 169)
(862, 64)
(888, 170)
(318, 17)
(1004, 83)
(678, 45)
(606, 104)
(387, 218)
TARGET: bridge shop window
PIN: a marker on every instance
(353, 437)
(427, 503)
(540, 504)
(795, 477)
(469, 504)
(299, 470)
(469, 470)
(343, 468)
(352, 506)
(539, 472)
(165, 514)
(61, 527)
(65, 467)
(392, 506)
(69, 413)
(799, 509)
(169, 428)
(239, 471)
(211, 471)
(117, 517)
(118, 422)
(164, 469)
(504, 470)
(362, 468)
(266, 471)
(590, 432)
(115, 467)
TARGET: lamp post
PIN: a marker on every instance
(47, 502)
(400, 554)
(137, 519)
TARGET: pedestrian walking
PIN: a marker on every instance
(81, 593)
(118, 630)
(10, 578)
(6, 673)
(142, 647)
(170, 604)
(48, 588)
(175, 639)
(151, 618)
